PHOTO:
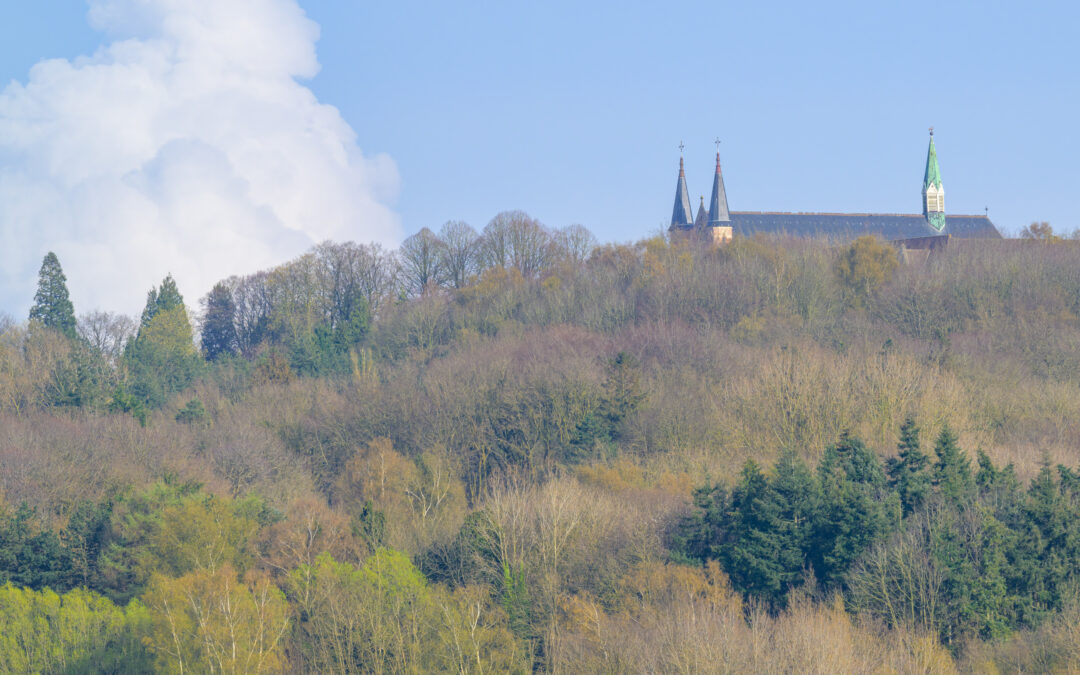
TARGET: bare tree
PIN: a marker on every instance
(106, 333)
(380, 275)
(495, 244)
(460, 251)
(575, 243)
(531, 246)
(251, 299)
(420, 261)
(339, 270)
(514, 239)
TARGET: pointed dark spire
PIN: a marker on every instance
(702, 219)
(682, 214)
(718, 209)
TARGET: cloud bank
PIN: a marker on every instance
(184, 145)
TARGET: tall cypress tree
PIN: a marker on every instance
(52, 306)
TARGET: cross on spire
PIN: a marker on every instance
(681, 146)
(717, 141)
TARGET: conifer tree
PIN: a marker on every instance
(162, 358)
(52, 306)
(219, 329)
(752, 552)
(852, 515)
(908, 473)
(161, 299)
(952, 471)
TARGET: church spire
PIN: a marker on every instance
(933, 191)
(682, 215)
(718, 209)
(702, 219)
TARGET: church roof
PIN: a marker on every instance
(890, 226)
(682, 214)
(702, 219)
(718, 208)
(932, 176)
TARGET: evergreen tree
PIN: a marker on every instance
(162, 359)
(162, 299)
(952, 471)
(908, 473)
(797, 498)
(219, 329)
(853, 514)
(751, 550)
(52, 306)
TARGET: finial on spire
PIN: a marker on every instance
(717, 142)
(931, 131)
(681, 146)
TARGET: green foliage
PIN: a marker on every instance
(908, 473)
(31, 556)
(385, 617)
(952, 470)
(162, 299)
(77, 632)
(52, 307)
(853, 514)
(219, 323)
(192, 412)
(123, 401)
(162, 359)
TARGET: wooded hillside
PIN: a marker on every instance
(518, 450)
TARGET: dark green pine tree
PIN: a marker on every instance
(853, 513)
(751, 551)
(797, 498)
(952, 471)
(909, 472)
(52, 306)
(219, 329)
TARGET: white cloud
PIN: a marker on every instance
(186, 145)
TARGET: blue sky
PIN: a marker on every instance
(574, 111)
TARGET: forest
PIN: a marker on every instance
(520, 450)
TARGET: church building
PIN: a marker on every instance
(930, 228)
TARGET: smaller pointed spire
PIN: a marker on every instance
(702, 219)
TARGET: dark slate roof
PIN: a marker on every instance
(718, 209)
(682, 215)
(702, 219)
(850, 225)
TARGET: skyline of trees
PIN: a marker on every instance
(559, 468)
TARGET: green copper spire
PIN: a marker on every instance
(933, 192)
(933, 171)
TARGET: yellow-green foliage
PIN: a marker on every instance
(79, 631)
(207, 621)
(385, 617)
